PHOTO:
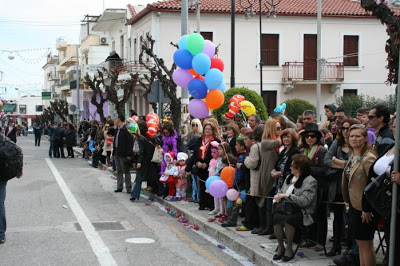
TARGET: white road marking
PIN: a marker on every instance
(139, 240)
(98, 246)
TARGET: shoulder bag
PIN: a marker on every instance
(285, 206)
(379, 194)
(158, 152)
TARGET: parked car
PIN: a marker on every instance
(30, 130)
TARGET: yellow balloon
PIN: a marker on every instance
(247, 108)
(239, 201)
(1, 104)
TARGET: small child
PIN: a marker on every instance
(212, 171)
(181, 185)
(170, 174)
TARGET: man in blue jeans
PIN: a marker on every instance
(3, 186)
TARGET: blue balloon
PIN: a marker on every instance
(213, 78)
(197, 88)
(242, 195)
(183, 58)
(210, 180)
(222, 87)
(182, 42)
(201, 63)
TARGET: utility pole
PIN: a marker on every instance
(319, 55)
(233, 13)
(184, 31)
(78, 77)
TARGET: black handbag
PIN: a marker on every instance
(285, 206)
(379, 194)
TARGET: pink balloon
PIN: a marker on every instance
(232, 194)
(182, 77)
(218, 189)
(198, 108)
(209, 48)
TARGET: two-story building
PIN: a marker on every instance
(353, 46)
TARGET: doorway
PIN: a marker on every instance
(310, 57)
(269, 98)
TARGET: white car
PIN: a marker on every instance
(30, 130)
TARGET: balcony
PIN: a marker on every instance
(52, 76)
(133, 67)
(60, 69)
(306, 72)
(64, 82)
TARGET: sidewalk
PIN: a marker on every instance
(259, 249)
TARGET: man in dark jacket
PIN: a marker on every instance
(379, 117)
(37, 129)
(123, 153)
(3, 186)
(11, 131)
(59, 133)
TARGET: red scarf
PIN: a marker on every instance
(204, 147)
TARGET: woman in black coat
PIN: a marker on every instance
(70, 140)
(146, 170)
(232, 131)
(200, 162)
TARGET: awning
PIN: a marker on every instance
(29, 116)
(9, 107)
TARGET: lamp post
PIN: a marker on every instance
(249, 12)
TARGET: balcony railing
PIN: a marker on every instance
(64, 82)
(125, 66)
(307, 71)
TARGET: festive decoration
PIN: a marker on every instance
(170, 144)
(152, 121)
(218, 189)
(232, 194)
(228, 175)
(200, 72)
(234, 105)
(210, 180)
(247, 108)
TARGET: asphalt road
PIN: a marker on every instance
(64, 212)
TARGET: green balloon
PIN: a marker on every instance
(195, 43)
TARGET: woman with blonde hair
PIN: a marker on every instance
(195, 132)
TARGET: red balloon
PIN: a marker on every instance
(217, 63)
(237, 98)
(200, 77)
(234, 107)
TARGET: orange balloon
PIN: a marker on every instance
(228, 175)
(215, 99)
(194, 73)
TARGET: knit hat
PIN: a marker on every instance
(332, 107)
(280, 109)
(170, 155)
(182, 156)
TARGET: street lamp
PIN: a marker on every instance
(249, 12)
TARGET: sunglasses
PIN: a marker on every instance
(345, 128)
(195, 125)
(370, 117)
(310, 136)
(339, 117)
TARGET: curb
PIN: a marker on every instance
(253, 252)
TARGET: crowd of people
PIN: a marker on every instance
(293, 173)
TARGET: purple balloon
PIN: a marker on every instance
(218, 189)
(182, 77)
(209, 48)
(198, 108)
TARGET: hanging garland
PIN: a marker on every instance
(380, 9)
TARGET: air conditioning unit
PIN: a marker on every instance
(103, 40)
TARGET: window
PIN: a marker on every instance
(350, 48)
(349, 93)
(39, 108)
(207, 35)
(270, 49)
(122, 50)
(22, 109)
(135, 58)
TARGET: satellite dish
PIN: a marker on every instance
(11, 56)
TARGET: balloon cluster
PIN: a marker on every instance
(238, 102)
(132, 125)
(2, 102)
(201, 73)
(152, 121)
(221, 186)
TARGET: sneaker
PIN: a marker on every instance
(242, 228)
(2, 241)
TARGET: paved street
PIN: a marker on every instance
(64, 212)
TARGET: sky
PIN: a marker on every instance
(28, 31)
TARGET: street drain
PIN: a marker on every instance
(103, 226)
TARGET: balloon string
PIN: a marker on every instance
(244, 117)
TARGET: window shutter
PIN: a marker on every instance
(270, 49)
(350, 47)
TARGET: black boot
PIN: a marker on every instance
(336, 248)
